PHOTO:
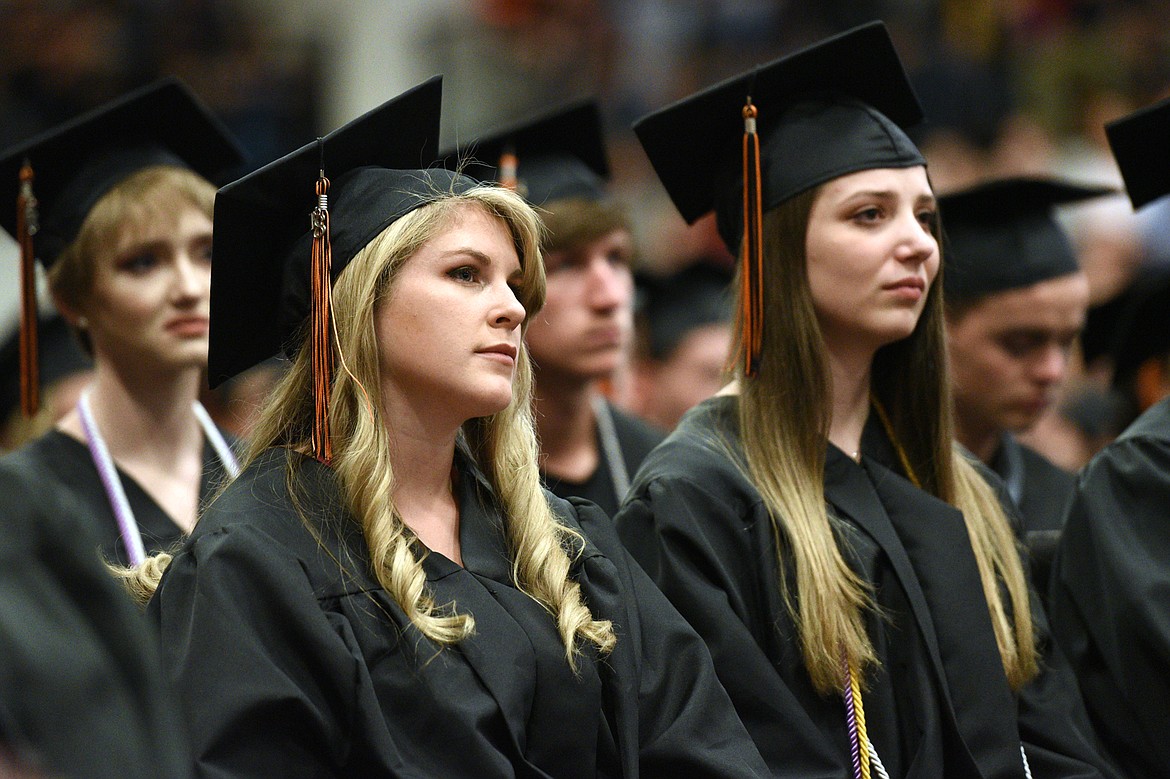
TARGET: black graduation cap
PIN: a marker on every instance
(1141, 146)
(1143, 329)
(76, 163)
(837, 107)
(559, 155)
(262, 244)
(671, 306)
(1003, 234)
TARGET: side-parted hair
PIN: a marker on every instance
(504, 444)
(141, 199)
(784, 422)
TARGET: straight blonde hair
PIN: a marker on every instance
(784, 422)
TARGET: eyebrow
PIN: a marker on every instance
(476, 254)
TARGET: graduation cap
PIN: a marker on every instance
(1143, 330)
(1141, 146)
(559, 155)
(760, 138)
(51, 182)
(1003, 234)
(284, 233)
(671, 306)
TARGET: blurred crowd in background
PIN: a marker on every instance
(1010, 87)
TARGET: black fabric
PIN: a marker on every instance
(939, 704)
(636, 439)
(77, 162)
(1109, 604)
(1003, 234)
(836, 107)
(671, 306)
(263, 232)
(60, 464)
(290, 660)
(59, 355)
(559, 154)
(81, 690)
(1139, 145)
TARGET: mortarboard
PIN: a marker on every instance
(673, 305)
(53, 180)
(760, 138)
(559, 155)
(1141, 146)
(284, 232)
(1003, 234)
(1143, 329)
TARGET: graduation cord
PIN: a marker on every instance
(611, 448)
(104, 463)
(905, 461)
(860, 746)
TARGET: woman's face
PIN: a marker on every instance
(448, 331)
(148, 307)
(872, 255)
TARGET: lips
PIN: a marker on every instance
(910, 282)
(505, 350)
(188, 325)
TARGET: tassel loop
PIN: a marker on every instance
(319, 316)
(752, 315)
(27, 224)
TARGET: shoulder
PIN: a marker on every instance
(634, 432)
(49, 453)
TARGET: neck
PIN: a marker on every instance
(981, 439)
(141, 420)
(423, 493)
(566, 425)
(850, 373)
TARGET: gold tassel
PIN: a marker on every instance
(26, 228)
(753, 238)
(319, 316)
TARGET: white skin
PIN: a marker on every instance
(1010, 355)
(692, 372)
(580, 337)
(871, 262)
(448, 337)
(147, 315)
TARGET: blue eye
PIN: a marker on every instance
(138, 263)
(464, 273)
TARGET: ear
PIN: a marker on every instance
(68, 312)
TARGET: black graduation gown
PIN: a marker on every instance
(81, 690)
(57, 462)
(1041, 491)
(292, 661)
(938, 706)
(1109, 598)
(636, 439)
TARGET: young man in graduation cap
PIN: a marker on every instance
(589, 448)
(1112, 569)
(1016, 301)
(684, 324)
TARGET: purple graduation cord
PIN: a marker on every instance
(127, 524)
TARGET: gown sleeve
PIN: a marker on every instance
(687, 725)
(278, 683)
(698, 546)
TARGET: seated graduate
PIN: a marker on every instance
(854, 575)
(1016, 300)
(82, 693)
(116, 205)
(386, 590)
(589, 447)
(1112, 567)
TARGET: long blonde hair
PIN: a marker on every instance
(504, 445)
(784, 422)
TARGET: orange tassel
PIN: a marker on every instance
(26, 228)
(319, 315)
(752, 318)
(508, 167)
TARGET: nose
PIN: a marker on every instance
(1050, 365)
(510, 312)
(192, 279)
(609, 285)
(917, 242)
